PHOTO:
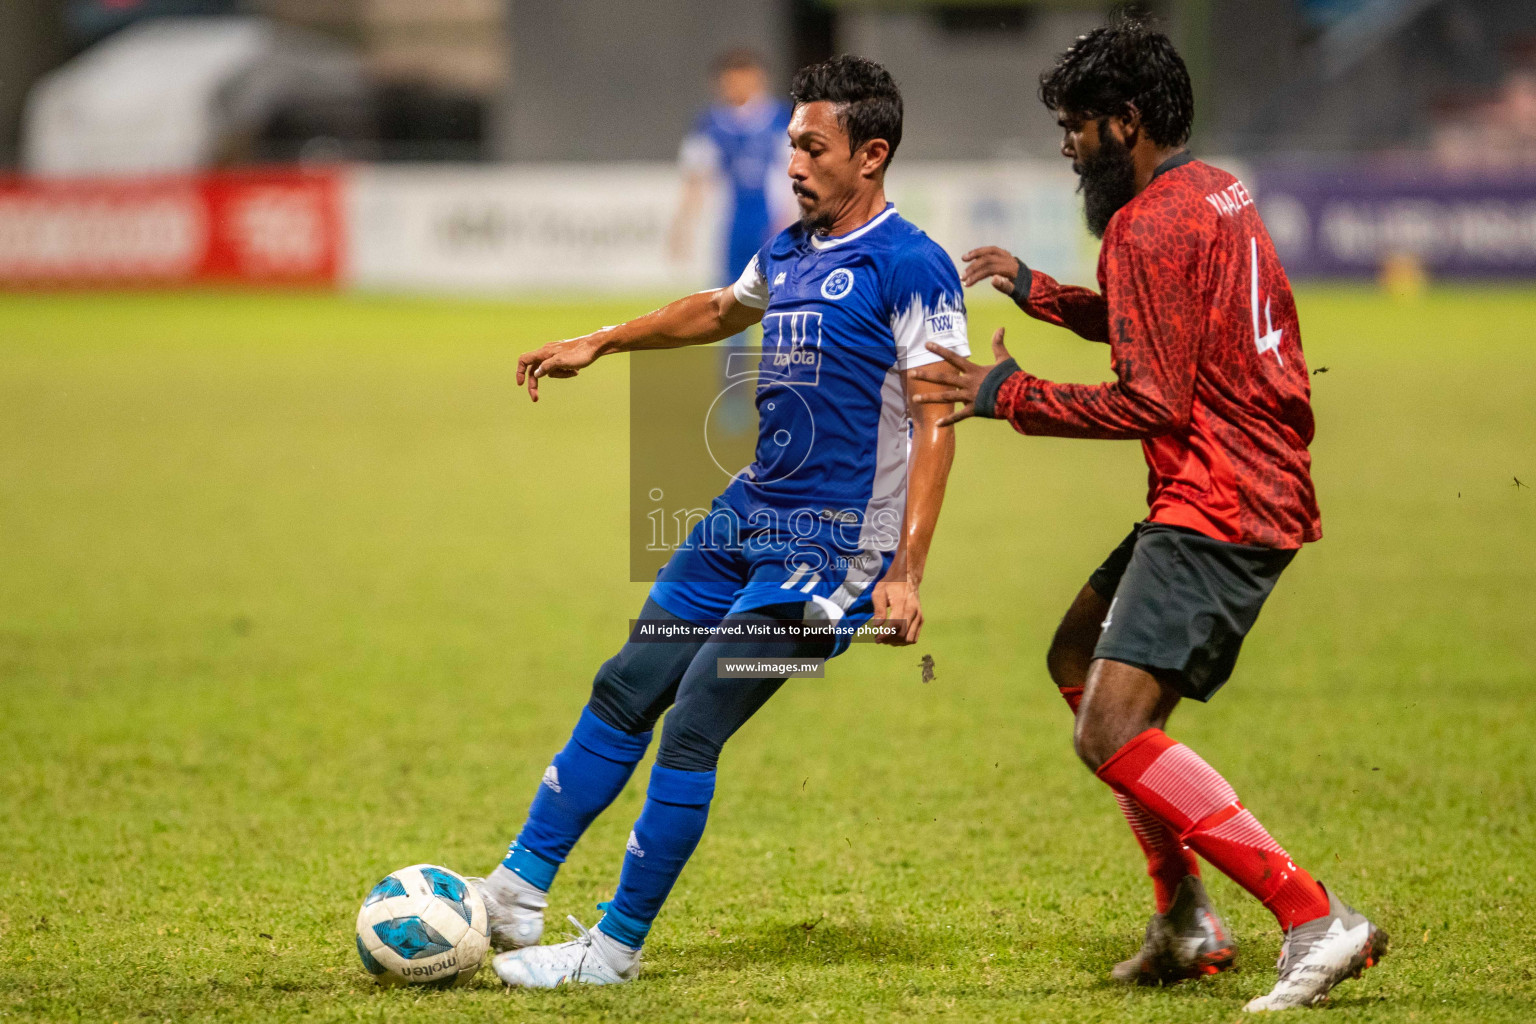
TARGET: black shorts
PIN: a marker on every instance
(1180, 603)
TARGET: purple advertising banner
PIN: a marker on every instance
(1346, 220)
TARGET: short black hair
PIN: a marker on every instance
(868, 101)
(1126, 62)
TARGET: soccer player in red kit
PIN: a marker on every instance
(1210, 377)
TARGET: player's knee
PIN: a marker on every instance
(1071, 652)
(1082, 743)
(1094, 737)
(1059, 661)
(614, 700)
(686, 750)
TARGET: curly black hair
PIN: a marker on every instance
(1122, 64)
(868, 101)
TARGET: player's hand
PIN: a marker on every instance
(960, 375)
(897, 601)
(557, 359)
(991, 261)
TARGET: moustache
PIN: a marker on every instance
(801, 190)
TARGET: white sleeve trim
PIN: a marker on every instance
(751, 288)
(917, 324)
(698, 155)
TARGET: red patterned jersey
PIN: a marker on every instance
(1206, 347)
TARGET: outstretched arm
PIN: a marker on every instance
(1155, 353)
(933, 452)
(1081, 310)
(696, 319)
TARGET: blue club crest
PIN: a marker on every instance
(837, 284)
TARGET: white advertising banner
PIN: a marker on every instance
(579, 228)
(1031, 209)
(604, 229)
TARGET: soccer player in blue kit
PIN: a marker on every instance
(831, 522)
(739, 142)
(739, 139)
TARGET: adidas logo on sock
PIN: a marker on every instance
(633, 846)
(552, 778)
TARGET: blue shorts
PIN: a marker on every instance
(704, 582)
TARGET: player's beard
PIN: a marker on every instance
(816, 218)
(1107, 181)
(816, 222)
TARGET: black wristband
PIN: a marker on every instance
(986, 395)
(1021, 284)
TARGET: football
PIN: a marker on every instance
(422, 925)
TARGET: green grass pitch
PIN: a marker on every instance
(295, 590)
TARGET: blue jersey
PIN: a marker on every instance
(842, 317)
(748, 148)
(812, 522)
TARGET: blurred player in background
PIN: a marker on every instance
(1210, 377)
(737, 143)
(831, 522)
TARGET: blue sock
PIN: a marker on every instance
(670, 826)
(582, 780)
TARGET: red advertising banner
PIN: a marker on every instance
(277, 227)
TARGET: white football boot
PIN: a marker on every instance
(1318, 955)
(514, 908)
(591, 958)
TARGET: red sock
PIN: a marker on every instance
(1174, 785)
(1168, 860)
